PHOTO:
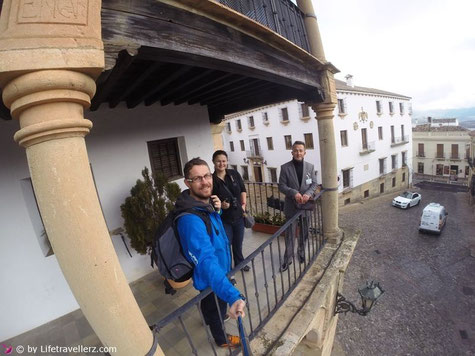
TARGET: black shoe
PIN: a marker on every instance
(246, 268)
(285, 266)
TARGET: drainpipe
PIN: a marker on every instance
(326, 131)
(48, 65)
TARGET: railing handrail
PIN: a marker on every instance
(177, 313)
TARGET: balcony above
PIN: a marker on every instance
(368, 148)
(203, 52)
(401, 140)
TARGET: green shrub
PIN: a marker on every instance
(147, 206)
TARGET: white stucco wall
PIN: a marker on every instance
(34, 290)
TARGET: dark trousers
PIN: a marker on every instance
(212, 319)
(235, 233)
(290, 239)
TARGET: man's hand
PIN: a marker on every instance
(237, 309)
(216, 202)
(298, 198)
(243, 207)
(305, 198)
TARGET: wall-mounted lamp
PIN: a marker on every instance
(245, 160)
(369, 295)
(265, 163)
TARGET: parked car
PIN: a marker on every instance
(407, 199)
(434, 218)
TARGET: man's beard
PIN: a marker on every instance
(200, 195)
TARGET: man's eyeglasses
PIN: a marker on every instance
(199, 179)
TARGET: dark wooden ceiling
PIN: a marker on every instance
(181, 58)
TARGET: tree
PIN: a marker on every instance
(145, 209)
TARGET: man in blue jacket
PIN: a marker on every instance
(210, 254)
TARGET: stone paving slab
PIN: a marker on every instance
(429, 304)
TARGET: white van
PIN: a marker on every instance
(434, 217)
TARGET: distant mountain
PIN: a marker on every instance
(463, 114)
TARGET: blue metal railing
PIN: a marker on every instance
(281, 16)
(266, 288)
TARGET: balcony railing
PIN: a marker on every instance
(367, 148)
(266, 288)
(265, 199)
(420, 154)
(440, 155)
(281, 16)
(455, 156)
(254, 153)
(400, 140)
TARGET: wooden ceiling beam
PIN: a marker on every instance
(168, 97)
(183, 98)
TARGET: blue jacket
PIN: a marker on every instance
(211, 255)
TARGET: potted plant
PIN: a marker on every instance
(150, 200)
(267, 223)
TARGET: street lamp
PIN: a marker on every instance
(369, 295)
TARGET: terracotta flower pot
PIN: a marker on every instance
(265, 228)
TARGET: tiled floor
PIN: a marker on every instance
(73, 329)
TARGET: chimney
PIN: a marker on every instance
(349, 80)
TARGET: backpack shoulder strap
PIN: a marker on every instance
(202, 214)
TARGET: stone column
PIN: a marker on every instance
(326, 132)
(216, 133)
(50, 54)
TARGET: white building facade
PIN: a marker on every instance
(441, 151)
(372, 131)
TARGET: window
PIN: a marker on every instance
(243, 147)
(347, 178)
(238, 125)
(288, 142)
(393, 139)
(380, 132)
(250, 121)
(381, 188)
(308, 141)
(402, 133)
(440, 150)
(382, 165)
(304, 112)
(403, 159)
(420, 167)
(270, 143)
(341, 107)
(403, 177)
(228, 127)
(245, 173)
(420, 152)
(347, 201)
(393, 161)
(391, 108)
(265, 118)
(364, 139)
(379, 107)
(165, 158)
(439, 169)
(455, 151)
(255, 147)
(344, 138)
(273, 174)
(284, 115)
(401, 108)
(394, 182)
(231, 146)
(366, 193)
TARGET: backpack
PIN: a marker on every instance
(167, 252)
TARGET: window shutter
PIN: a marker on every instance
(351, 178)
(344, 107)
(300, 110)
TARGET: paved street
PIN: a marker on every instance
(429, 304)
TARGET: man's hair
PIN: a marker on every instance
(219, 152)
(298, 143)
(191, 163)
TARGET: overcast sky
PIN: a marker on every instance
(424, 49)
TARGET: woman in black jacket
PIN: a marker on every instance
(229, 187)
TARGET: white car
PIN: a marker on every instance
(407, 199)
